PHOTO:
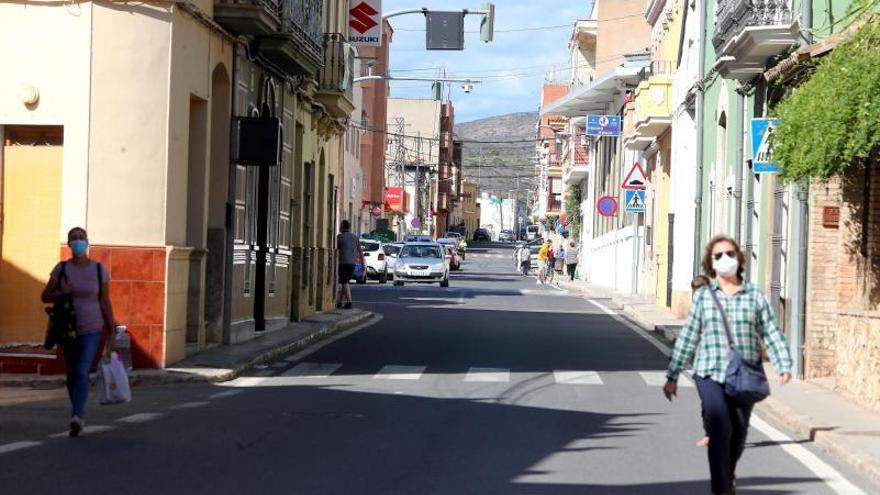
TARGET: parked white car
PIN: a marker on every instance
(392, 250)
(423, 263)
(375, 260)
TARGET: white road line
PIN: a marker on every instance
(190, 405)
(820, 468)
(12, 447)
(313, 370)
(658, 379)
(140, 418)
(223, 395)
(396, 372)
(497, 375)
(88, 430)
(577, 377)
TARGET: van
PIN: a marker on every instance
(532, 232)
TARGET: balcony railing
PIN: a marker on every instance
(732, 16)
(338, 69)
(302, 19)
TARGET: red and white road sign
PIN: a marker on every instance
(635, 179)
(365, 23)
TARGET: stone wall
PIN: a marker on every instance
(843, 306)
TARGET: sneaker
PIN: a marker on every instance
(76, 426)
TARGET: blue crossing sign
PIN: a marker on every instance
(634, 200)
(762, 146)
(603, 125)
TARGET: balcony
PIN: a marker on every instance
(652, 114)
(749, 32)
(288, 32)
(576, 167)
(335, 89)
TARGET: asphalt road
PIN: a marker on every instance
(493, 386)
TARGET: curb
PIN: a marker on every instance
(212, 375)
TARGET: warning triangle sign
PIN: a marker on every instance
(635, 179)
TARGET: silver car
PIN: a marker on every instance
(421, 262)
(392, 250)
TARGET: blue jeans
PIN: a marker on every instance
(727, 425)
(78, 358)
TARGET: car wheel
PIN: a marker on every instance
(398, 283)
(362, 280)
(445, 283)
(383, 277)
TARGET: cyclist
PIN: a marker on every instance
(543, 261)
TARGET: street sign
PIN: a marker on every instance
(603, 125)
(635, 179)
(416, 223)
(762, 147)
(376, 212)
(444, 30)
(607, 206)
(634, 201)
(365, 23)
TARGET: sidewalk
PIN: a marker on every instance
(809, 409)
(223, 363)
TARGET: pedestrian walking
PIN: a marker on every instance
(571, 259)
(698, 282)
(727, 306)
(85, 282)
(525, 259)
(350, 251)
(543, 261)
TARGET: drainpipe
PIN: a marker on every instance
(228, 275)
(698, 193)
(738, 182)
(800, 235)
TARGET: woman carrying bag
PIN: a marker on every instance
(85, 282)
(727, 322)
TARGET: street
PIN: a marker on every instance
(495, 385)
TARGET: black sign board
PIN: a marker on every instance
(257, 141)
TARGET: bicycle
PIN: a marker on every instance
(548, 273)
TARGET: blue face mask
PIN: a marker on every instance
(79, 247)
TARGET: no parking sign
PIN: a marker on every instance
(607, 206)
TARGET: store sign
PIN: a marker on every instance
(365, 23)
(393, 199)
(603, 125)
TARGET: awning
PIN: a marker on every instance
(594, 97)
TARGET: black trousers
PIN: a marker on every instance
(572, 269)
(727, 424)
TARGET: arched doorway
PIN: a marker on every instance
(217, 197)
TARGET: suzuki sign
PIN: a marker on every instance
(365, 23)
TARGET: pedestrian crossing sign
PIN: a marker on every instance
(762, 146)
(634, 201)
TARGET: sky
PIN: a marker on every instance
(512, 67)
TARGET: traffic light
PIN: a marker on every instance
(487, 25)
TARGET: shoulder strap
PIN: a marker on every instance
(100, 281)
(724, 321)
(62, 275)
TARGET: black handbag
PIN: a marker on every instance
(745, 382)
(61, 328)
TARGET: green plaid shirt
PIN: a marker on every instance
(751, 318)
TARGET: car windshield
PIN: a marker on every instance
(446, 240)
(370, 246)
(421, 252)
(391, 249)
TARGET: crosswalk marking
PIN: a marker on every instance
(223, 395)
(658, 379)
(190, 405)
(87, 430)
(12, 447)
(312, 370)
(140, 418)
(577, 377)
(397, 372)
(488, 375)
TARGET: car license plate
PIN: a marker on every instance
(421, 273)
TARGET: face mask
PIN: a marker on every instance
(726, 266)
(79, 247)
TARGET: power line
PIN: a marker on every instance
(463, 141)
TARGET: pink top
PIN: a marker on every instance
(83, 284)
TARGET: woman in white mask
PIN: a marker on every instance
(704, 341)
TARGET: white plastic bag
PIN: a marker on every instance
(112, 382)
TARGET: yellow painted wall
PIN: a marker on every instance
(32, 217)
(59, 71)
(661, 217)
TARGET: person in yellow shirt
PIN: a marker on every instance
(543, 260)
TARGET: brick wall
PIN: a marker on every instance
(843, 305)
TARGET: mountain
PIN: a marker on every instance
(500, 168)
